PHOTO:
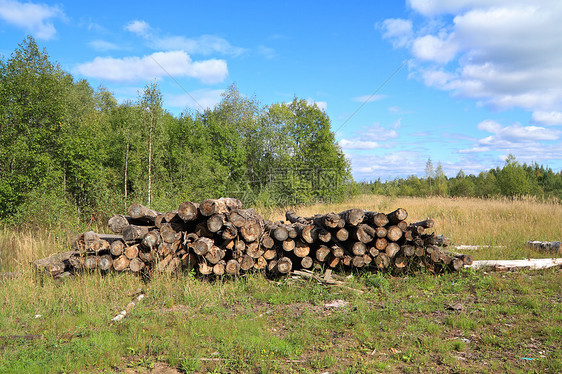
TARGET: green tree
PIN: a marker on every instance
(32, 110)
(150, 104)
(513, 179)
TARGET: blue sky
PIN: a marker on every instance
(464, 82)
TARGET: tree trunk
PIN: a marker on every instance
(188, 211)
(398, 215)
(223, 205)
(352, 217)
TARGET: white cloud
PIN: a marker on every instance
(322, 105)
(377, 132)
(358, 144)
(141, 28)
(368, 98)
(157, 65)
(399, 31)
(203, 45)
(547, 118)
(103, 46)
(34, 18)
(516, 132)
(503, 53)
(475, 150)
(439, 49)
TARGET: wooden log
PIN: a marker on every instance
(254, 250)
(292, 232)
(306, 262)
(324, 236)
(138, 211)
(270, 254)
(457, 264)
(284, 265)
(202, 246)
(133, 233)
(342, 234)
(215, 222)
(294, 218)
(308, 233)
(246, 262)
(408, 250)
(364, 233)
(380, 232)
(337, 251)
(253, 228)
(346, 260)
(267, 241)
(118, 222)
(136, 265)
(168, 233)
(219, 268)
(215, 254)
(376, 219)
(301, 249)
(426, 224)
(322, 253)
(288, 245)
(352, 217)
(357, 248)
(382, 261)
(335, 261)
(233, 267)
(330, 221)
(402, 225)
(393, 233)
(105, 262)
(381, 244)
(367, 259)
(392, 249)
(373, 251)
(131, 251)
(188, 211)
(121, 263)
(222, 205)
(398, 215)
(400, 261)
(146, 256)
(553, 247)
(261, 263)
(358, 261)
(205, 269)
(279, 232)
(150, 241)
(91, 262)
(238, 217)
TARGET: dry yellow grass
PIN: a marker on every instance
(504, 225)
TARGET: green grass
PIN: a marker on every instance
(254, 325)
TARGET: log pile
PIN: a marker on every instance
(218, 236)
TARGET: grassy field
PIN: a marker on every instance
(464, 322)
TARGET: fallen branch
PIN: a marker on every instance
(506, 265)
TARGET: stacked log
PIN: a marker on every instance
(218, 237)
